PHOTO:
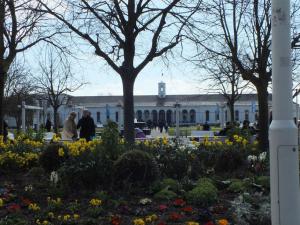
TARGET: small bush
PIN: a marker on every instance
(231, 161)
(170, 183)
(50, 159)
(237, 186)
(135, 166)
(264, 181)
(204, 193)
(165, 194)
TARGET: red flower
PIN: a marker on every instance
(115, 220)
(25, 201)
(13, 207)
(175, 216)
(187, 209)
(162, 207)
(209, 223)
(179, 202)
(162, 223)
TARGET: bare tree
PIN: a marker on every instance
(55, 81)
(223, 77)
(18, 88)
(128, 35)
(244, 28)
(20, 29)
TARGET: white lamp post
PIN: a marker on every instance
(284, 161)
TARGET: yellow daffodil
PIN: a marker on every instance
(76, 216)
(61, 152)
(192, 223)
(34, 207)
(51, 215)
(138, 222)
(66, 217)
(1, 202)
(95, 202)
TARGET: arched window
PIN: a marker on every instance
(226, 116)
(162, 115)
(217, 115)
(154, 116)
(192, 116)
(169, 117)
(184, 116)
(98, 117)
(207, 115)
(237, 115)
(139, 115)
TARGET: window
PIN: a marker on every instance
(226, 116)
(217, 115)
(246, 114)
(207, 115)
(98, 117)
(117, 116)
(237, 115)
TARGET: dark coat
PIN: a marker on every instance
(87, 128)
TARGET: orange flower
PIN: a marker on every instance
(223, 222)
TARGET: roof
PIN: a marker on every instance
(154, 100)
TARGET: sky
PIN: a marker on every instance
(180, 76)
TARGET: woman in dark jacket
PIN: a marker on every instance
(87, 126)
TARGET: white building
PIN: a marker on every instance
(194, 109)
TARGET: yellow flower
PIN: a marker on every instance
(223, 222)
(33, 207)
(61, 152)
(66, 217)
(1, 202)
(138, 222)
(45, 222)
(51, 215)
(76, 216)
(192, 223)
(95, 202)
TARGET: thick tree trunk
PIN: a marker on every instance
(2, 82)
(128, 101)
(55, 122)
(263, 119)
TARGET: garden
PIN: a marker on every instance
(154, 182)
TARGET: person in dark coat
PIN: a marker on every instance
(48, 125)
(206, 126)
(87, 126)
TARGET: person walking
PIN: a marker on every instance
(69, 130)
(87, 126)
(48, 125)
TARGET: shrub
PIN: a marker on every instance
(237, 186)
(170, 183)
(88, 170)
(264, 181)
(204, 193)
(135, 166)
(50, 159)
(165, 194)
(231, 160)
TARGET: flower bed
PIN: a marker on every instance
(154, 182)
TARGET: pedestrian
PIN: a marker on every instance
(166, 127)
(48, 125)
(69, 130)
(206, 126)
(161, 126)
(87, 126)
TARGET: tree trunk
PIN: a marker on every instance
(128, 102)
(2, 82)
(263, 119)
(55, 120)
(231, 109)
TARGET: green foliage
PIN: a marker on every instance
(49, 159)
(136, 167)
(231, 160)
(204, 193)
(165, 194)
(237, 186)
(14, 219)
(264, 181)
(171, 184)
(110, 138)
